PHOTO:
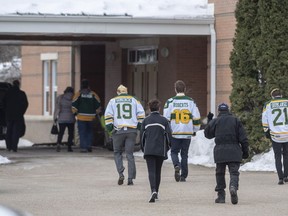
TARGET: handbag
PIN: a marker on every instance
(54, 129)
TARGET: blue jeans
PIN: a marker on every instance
(85, 129)
(180, 146)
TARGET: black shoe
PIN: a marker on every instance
(130, 182)
(177, 173)
(70, 149)
(58, 148)
(221, 197)
(182, 179)
(280, 182)
(153, 197)
(89, 149)
(285, 179)
(83, 151)
(120, 180)
(234, 197)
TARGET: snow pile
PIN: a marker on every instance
(135, 8)
(10, 71)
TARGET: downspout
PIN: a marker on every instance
(72, 66)
(213, 70)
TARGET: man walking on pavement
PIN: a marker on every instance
(124, 115)
(184, 117)
(85, 105)
(275, 125)
(231, 147)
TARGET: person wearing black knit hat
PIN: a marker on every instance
(231, 147)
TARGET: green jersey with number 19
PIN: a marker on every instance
(184, 116)
(124, 111)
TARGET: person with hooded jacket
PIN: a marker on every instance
(155, 138)
(231, 147)
(85, 105)
(64, 116)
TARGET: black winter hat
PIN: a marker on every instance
(223, 107)
(84, 84)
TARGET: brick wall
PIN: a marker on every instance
(225, 24)
(188, 62)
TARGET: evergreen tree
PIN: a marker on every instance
(259, 62)
(273, 46)
(7, 53)
(248, 86)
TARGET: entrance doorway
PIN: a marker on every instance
(144, 82)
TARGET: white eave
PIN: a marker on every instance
(103, 26)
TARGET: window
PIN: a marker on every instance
(49, 64)
(142, 56)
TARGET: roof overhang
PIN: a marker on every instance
(89, 28)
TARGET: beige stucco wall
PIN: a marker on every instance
(32, 74)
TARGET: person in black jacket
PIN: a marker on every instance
(16, 104)
(231, 147)
(155, 138)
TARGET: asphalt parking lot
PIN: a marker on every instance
(46, 183)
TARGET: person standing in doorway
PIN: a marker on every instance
(124, 115)
(16, 104)
(184, 117)
(155, 139)
(231, 147)
(64, 116)
(85, 105)
(274, 122)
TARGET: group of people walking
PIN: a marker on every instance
(174, 130)
(125, 116)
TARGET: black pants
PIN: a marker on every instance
(220, 175)
(13, 134)
(154, 165)
(62, 127)
(279, 149)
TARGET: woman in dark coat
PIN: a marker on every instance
(155, 142)
(231, 146)
(16, 104)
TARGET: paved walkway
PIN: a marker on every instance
(46, 183)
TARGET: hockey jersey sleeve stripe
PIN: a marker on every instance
(128, 126)
(108, 121)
